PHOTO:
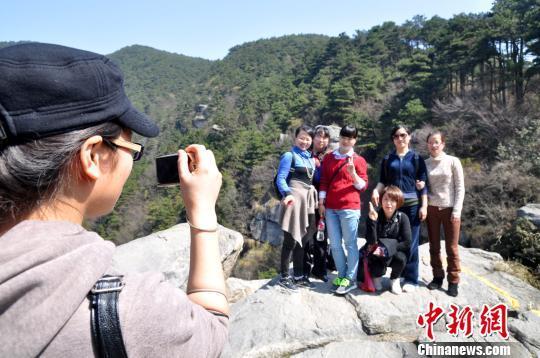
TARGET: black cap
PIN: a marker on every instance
(50, 89)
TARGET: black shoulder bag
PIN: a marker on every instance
(105, 322)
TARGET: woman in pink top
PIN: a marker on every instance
(445, 200)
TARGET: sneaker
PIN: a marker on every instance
(377, 282)
(304, 282)
(435, 284)
(287, 283)
(452, 289)
(336, 283)
(409, 287)
(345, 286)
(395, 286)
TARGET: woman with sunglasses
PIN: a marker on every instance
(405, 169)
(66, 152)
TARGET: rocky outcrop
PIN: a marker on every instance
(530, 212)
(273, 322)
(264, 227)
(167, 251)
(267, 321)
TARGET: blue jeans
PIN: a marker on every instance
(410, 273)
(342, 226)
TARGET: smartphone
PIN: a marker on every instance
(167, 169)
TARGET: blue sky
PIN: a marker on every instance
(204, 28)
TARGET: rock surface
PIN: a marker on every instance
(167, 251)
(238, 289)
(274, 322)
(264, 227)
(531, 212)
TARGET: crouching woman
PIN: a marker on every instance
(388, 236)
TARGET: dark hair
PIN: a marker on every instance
(305, 128)
(349, 132)
(33, 173)
(435, 132)
(323, 131)
(394, 193)
(398, 127)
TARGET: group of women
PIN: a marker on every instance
(410, 190)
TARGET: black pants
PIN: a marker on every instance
(291, 246)
(377, 267)
(317, 258)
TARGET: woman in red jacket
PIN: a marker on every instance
(343, 178)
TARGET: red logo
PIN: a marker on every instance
(460, 320)
(429, 319)
(493, 320)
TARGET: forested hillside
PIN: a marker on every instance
(474, 76)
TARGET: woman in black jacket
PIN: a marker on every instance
(388, 237)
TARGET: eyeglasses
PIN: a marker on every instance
(136, 148)
(400, 135)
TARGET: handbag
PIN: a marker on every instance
(367, 285)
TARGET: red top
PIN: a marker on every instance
(342, 194)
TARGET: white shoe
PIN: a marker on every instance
(395, 286)
(409, 287)
(377, 282)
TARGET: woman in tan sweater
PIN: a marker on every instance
(445, 201)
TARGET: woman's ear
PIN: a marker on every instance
(89, 157)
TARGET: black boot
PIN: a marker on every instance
(452, 289)
(435, 284)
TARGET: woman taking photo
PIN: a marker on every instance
(445, 201)
(299, 200)
(405, 169)
(344, 177)
(388, 237)
(65, 155)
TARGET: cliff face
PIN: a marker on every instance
(267, 321)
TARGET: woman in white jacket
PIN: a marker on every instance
(445, 201)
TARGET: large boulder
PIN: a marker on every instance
(273, 322)
(264, 227)
(167, 251)
(238, 289)
(530, 212)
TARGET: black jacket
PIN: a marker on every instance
(394, 234)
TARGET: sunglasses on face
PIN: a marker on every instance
(399, 135)
(137, 149)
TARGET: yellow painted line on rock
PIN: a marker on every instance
(514, 303)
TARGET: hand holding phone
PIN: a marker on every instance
(200, 180)
(167, 168)
(200, 183)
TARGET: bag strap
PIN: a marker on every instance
(105, 323)
(293, 163)
(385, 166)
(338, 169)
